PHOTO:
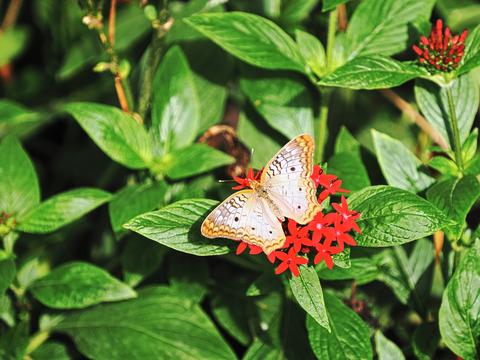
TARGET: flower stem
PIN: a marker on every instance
(321, 127)
(36, 340)
(457, 146)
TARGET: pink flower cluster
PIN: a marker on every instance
(317, 241)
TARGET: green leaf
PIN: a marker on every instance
(62, 209)
(264, 284)
(7, 271)
(381, 27)
(12, 43)
(425, 341)
(312, 51)
(362, 270)
(283, 100)
(345, 142)
(251, 38)
(19, 190)
(140, 258)
(115, 132)
(256, 137)
(293, 11)
(307, 290)
(473, 166)
(469, 147)
(399, 166)
(51, 350)
(175, 105)
(14, 341)
(77, 285)
(193, 160)
(443, 165)
(134, 200)
(459, 314)
(332, 4)
(471, 59)
(372, 72)
(433, 103)
(349, 338)
(350, 169)
(145, 326)
(15, 119)
(178, 227)
(455, 197)
(387, 349)
(229, 311)
(189, 276)
(391, 216)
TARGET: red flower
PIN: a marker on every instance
(441, 51)
(325, 252)
(298, 236)
(254, 249)
(348, 216)
(245, 182)
(317, 172)
(290, 261)
(340, 233)
(320, 225)
(331, 186)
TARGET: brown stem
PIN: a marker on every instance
(11, 14)
(342, 17)
(438, 238)
(415, 116)
(122, 97)
(111, 22)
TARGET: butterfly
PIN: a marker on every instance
(284, 190)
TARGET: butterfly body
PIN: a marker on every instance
(284, 190)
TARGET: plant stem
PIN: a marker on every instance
(321, 127)
(457, 146)
(36, 340)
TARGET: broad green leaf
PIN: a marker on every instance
(140, 258)
(372, 72)
(433, 103)
(256, 137)
(189, 276)
(251, 38)
(19, 190)
(7, 312)
(283, 100)
(144, 327)
(469, 147)
(341, 259)
(381, 27)
(443, 165)
(362, 270)
(77, 285)
(15, 119)
(193, 160)
(350, 169)
(331, 4)
(387, 349)
(212, 69)
(349, 338)
(229, 311)
(175, 106)
(471, 59)
(178, 227)
(115, 132)
(131, 26)
(12, 42)
(399, 166)
(307, 290)
(14, 341)
(345, 142)
(459, 314)
(312, 51)
(425, 341)
(134, 200)
(32, 269)
(473, 166)
(51, 350)
(7, 271)
(264, 284)
(293, 11)
(404, 275)
(391, 216)
(62, 209)
(455, 197)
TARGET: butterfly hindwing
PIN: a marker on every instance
(287, 179)
(245, 216)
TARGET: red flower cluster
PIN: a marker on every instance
(318, 240)
(441, 51)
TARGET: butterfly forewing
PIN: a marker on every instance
(287, 180)
(245, 216)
